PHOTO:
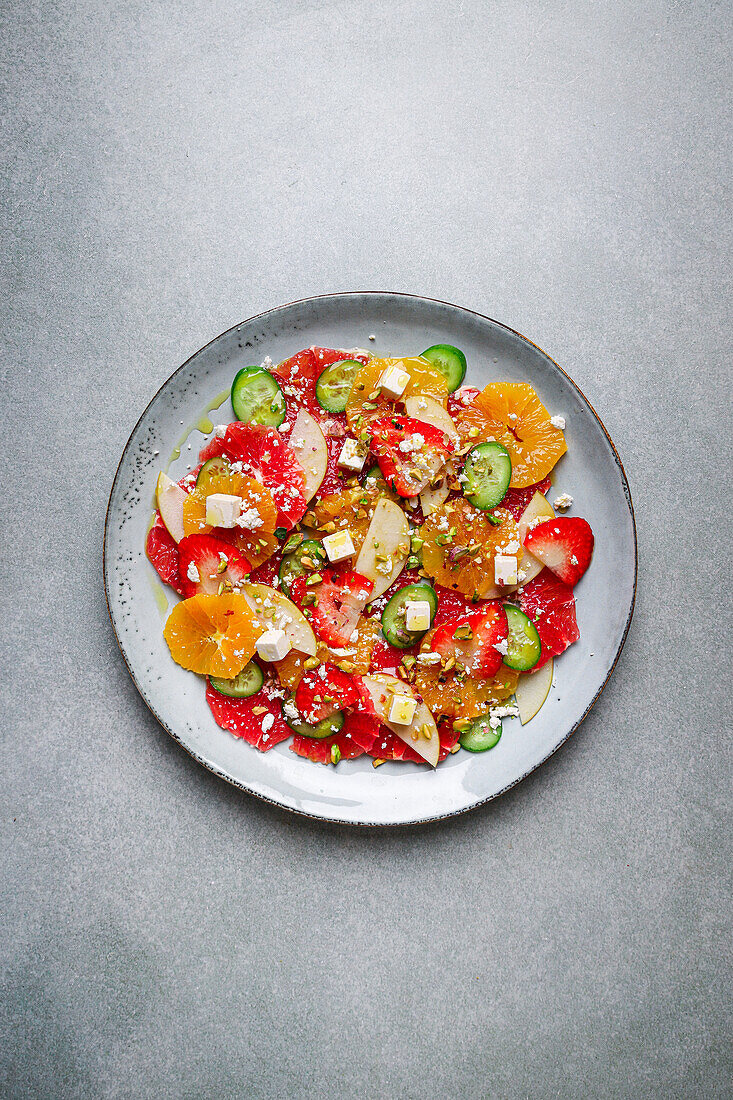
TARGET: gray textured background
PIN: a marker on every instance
(170, 169)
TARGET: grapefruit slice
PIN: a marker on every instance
(247, 718)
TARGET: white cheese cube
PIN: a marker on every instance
(417, 615)
(273, 645)
(393, 381)
(222, 510)
(352, 457)
(402, 710)
(505, 569)
(338, 546)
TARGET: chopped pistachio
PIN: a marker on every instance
(335, 754)
(310, 663)
(293, 542)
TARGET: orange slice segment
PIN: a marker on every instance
(212, 635)
(512, 414)
(256, 543)
(445, 693)
(459, 546)
(352, 508)
(365, 400)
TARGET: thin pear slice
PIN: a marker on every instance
(429, 411)
(308, 443)
(382, 687)
(532, 690)
(529, 566)
(431, 497)
(386, 547)
(170, 498)
(275, 610)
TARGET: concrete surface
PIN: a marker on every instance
(171, 168)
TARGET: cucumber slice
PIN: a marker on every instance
(480, 736)
(257, 398)
(487, 473)
(292, 565)
(334, 384)
(245, 683)
(325, 728)
(213, 467)
(450, 361)
(395, 613)
(525, 647)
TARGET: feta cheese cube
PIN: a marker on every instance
(417, 615)
(402, 710)
(273, 645)
(222, 510)
(352, 456)
(338, 546)
(505, 569)
(393, 381)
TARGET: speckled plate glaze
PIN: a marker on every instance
(355, 792)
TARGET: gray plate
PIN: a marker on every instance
(355, 792)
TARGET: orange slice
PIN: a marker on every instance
(257, 544)
(352, 508)
(512, 414)
(290, 670)
(212, 635)
(447, 694)
(365, 400)
(459, 546)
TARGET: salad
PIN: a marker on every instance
(367, 558)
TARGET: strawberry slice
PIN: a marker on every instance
(162, 551)
(323, 691)
(340, 599)
(410, 453)
(551, 606)
(479, 633)
(204, 562)
(257, 719)
(564, 545)
(261, 452)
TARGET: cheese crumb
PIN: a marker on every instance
(558, 422)
(563, 501)
(192, 573)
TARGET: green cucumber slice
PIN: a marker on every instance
(334, 384)
(486, 475)
(245, 683)
(394, 614)
(257, 398)
(480, 736)
(450, 361)
(213, 467)
(325, 728)
(524, 646)
(292, 565)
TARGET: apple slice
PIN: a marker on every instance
(381, 687)
(308, 443)
(274, 609)
(431, 497)
(386, 546)
(429, 411)
(538, 508)
(170, 498)
(532, 690)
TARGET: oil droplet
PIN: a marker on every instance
(203, 425)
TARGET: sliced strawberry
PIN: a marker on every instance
(162, 551)
(516, 500)
(551, 606)
(410, 453)
(477, 654)
(205, 562)
(564, 545)
(257, 719)
(324, 690)
(340, 599)
(264, 455)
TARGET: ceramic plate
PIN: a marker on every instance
(355, 792)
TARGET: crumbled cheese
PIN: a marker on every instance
(220, 430)
(268, 722)
(502, 646)
(266, 363)
(250, 520)
(558, 422)
(563, 501)
(428, 658)
(192, 573)
(412, 443)
(290, 710)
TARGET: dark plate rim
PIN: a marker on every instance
(243, 786)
